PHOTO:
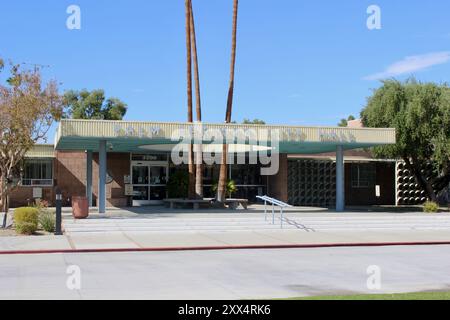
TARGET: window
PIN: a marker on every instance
(38, 172)
(363, 175)
(247, 175)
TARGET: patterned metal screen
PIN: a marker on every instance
(312, 183)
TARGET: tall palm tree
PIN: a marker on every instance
(221, 189)
(198, 104)
(191, 185)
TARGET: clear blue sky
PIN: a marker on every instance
(298, 62)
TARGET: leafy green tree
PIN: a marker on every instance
(230, 187)
(420, 112)
(255, 121)
(28, 108)
(344, 122)
(92, 105)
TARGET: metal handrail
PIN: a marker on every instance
(274, 203)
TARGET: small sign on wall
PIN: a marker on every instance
(127, 179)
(37, 193)
(128, 189)
(377, 191)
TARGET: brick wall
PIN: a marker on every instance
(118, 165)
(22, 196)
(70, 176)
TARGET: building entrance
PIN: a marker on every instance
(149, 179)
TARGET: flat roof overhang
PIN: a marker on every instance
(40, 151)
(132, 136)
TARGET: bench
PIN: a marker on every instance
(233, 204)
(195, 203)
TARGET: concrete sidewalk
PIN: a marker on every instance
(185, 240)
(159, 228)
(225, 274)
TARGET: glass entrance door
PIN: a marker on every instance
(158, 182)
(149, 182)
(140, 182)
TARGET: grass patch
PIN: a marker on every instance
(399, 296)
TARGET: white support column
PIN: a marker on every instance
(340, 182)
(89, 177)
(102, 177)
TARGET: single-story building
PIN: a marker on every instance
(125, 163)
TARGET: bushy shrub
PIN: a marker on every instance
(177, 187)
(47, 220)
(26, 220)
(41, 204)
(26, 228)
(26, 214)
(230, 188)
(430, 207)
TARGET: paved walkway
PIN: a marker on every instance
(159, 240)
(140, 228)
(242, 274)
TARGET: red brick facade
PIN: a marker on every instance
(118, 166)
(70, 176)
(23, 196)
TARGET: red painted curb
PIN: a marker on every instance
(216, 248)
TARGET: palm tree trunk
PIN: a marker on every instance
(199, 153)
(191, 185)
(221, 189)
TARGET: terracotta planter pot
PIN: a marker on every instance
(80, 207)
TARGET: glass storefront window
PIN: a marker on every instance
(247, 174)
(157, 193)
(249, 181)
(140, 174)
(38, 172)
(158, 175)
(363, 175)
(140, 193)
(149, 181)
(210, 174)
